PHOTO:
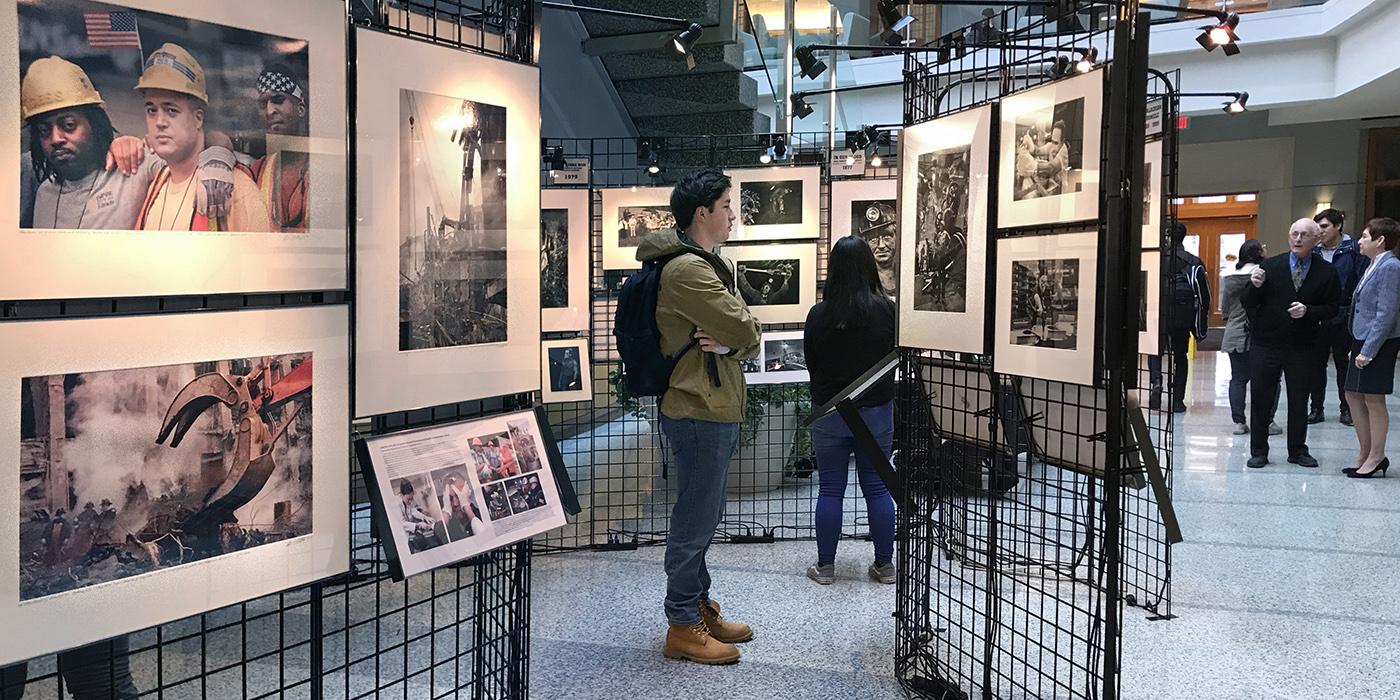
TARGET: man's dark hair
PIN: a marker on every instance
(698, 189)
(1336, 216)
(1386, 228)
(1178, 233)
(405, 488)
(101, 141)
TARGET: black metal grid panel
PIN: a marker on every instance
(1013, 534)
(461, 631)
(615, 454)
(502, 28)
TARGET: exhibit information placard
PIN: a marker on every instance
(163, 466)
(450, 492)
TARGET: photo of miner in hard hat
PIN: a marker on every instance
(84, 175)
(173, 87)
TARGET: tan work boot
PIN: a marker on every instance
(694, 642)
(720, 628)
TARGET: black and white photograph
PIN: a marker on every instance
(418, 513)
(1150, 304)
(775, 203)
(943, 232)
(868, 209)
(452, 245)
(940, 231)
(564, 264)
(152, 462)
(777, 281)
(629, 215)
(1047, 304)
(457, 502)
(148, 103)
(492, 484)
(1153, 186)
(781, 360)
(1049, 153)
(447, 226)
(139, 489)
(770, 202)
(566, 375)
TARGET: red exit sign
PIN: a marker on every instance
(1183, 122)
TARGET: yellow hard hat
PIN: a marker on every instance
(172, 68)
(53, 83)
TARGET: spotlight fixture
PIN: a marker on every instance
(1087, 58)
(876, 161)
(780, 149)
(892, 17)
(1237, 105)
(554, 157)
(654, 168)
(683, 42)
(1058, 67)
(857, 140)
(808, 61)
(777, 150)
(850, 159)
(644, 152)
(800, 108)
(765, 157)
(1222, 35)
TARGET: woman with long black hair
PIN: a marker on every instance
(850, 330)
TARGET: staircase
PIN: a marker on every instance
(662, 95)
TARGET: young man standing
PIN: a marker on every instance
(1289, 300)
(1340, 250)
(704, 405)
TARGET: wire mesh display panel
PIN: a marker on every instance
(613, 446)
(1025, 522)
(460, 631)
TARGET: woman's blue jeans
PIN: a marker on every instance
(834, 445)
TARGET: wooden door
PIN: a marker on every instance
(1215, 230)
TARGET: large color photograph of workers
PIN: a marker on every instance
(129, 471)
(136, 120)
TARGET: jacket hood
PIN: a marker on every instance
(660, 244)
(1243, 271)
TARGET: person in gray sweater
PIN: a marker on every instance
(1235, 343)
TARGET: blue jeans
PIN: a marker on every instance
(701, 451)
(834, 444)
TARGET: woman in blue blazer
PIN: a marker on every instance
(1375, 325)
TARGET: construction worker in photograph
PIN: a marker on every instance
(282, 173)
(88, 176)
(173, 88)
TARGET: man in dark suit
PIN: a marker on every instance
(1289, 300)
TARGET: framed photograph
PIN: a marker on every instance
(629, 215)
(565, 373)
(781, 359)
(448, 233)
(943, 232)
(449, 492)
(235, 180)
(1047, 303)
(564, 263)
(776, 203)
(1049, 163)
(165, 479)
(777, 281)
(868, 209)
(1154, 187)
(963, 396)
(1150, 304)
(1068, 426)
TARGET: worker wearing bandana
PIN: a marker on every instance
(282, 173)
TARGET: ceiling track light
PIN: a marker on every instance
(644, 152)
(810, 65)
(1087, 59)
(800, 108)
(894, 19)
(1236, 105)
(554, 157)
(1222, 35)
(683, 43)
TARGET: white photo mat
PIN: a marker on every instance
(1075, 366)
(953, 331)
(573, 317)
(56, 263)
(767, 355)
(1033, 104)
(426, 456)
(809, 226)
(387, 379)
(847, 222)
(615, 255)
(1149, 340)
(1154, 186)
(548, 368)
(805, 294)
(102, 610)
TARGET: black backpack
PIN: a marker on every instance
(646, 371)
(1186, 296)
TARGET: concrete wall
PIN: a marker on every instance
(1292, 167)
(577, 99)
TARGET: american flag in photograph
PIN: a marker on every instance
(112, 30)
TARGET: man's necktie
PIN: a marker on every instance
(1297, 277)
